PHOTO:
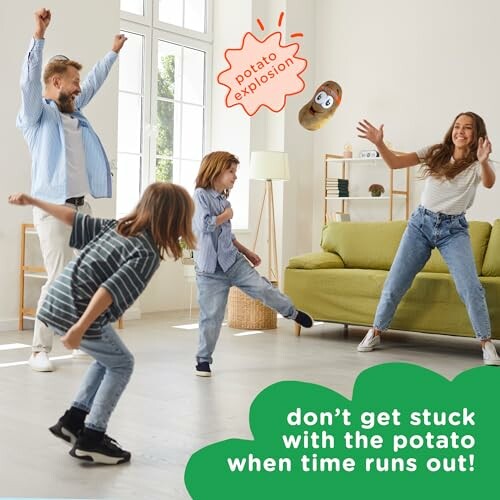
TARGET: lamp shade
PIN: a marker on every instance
(269, 165)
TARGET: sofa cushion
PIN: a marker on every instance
(316, 260)
(479, 236)
(491, 265)
(364, 245)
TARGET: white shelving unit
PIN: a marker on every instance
(344, 165)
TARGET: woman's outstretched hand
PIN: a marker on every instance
(368, 131)
(483, 149)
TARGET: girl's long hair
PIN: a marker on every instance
(437, 162)
(166, 211)
(212, 165)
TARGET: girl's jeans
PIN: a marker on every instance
(105, 379)
(449, 234)
(213, 289)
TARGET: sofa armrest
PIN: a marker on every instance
(316, 260)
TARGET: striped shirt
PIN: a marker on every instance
(121, 265)
(215, 243)
(40, 122)
(450, 196)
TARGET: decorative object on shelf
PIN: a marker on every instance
(376, 190)
(342, 217)
(347, 151)
(369, 153)
(322, 106)
(269, 166)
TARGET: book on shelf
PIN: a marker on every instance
(332, 181)
(337, 187)
(337, 192)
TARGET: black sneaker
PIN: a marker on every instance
(65, 430)
(203, 369)
(104, 451)
(303, 319)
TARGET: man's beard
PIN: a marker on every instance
(65, 103)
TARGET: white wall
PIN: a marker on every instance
(412, 66)
(85, 34)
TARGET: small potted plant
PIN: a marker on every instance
(376, 190)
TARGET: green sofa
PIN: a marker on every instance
(343, 283)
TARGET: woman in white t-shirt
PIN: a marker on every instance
(452, 171)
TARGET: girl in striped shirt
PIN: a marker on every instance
(115, 263)
(452, 171)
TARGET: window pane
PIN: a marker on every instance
(131, 63)
(129, 123)
(165, 124)
(164, 170)
(170, 11)
(128, 183)
(194, 15)
(132, 6)
(169, 70)
(192, 132)
(193, 76)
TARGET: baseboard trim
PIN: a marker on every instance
(9, 325)
(132, 315)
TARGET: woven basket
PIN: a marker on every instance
(249, 314)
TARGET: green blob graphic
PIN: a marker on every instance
(389, 392)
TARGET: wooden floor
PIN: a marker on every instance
(167, 413)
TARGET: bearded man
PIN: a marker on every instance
(68, 159)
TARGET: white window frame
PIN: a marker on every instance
(154, 31)
(146, 103)
(158, 36)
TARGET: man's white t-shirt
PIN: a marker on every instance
(77, 183)
(450, 196)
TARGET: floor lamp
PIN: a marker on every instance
(269, 166)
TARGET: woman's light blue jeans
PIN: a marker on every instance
(105, 379)
(449, 234)
(213, 290)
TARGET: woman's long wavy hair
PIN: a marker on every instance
(212, 165)
(166, 211)
(437, 162)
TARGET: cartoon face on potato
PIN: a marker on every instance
(322, 106)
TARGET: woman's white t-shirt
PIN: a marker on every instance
(450, 196)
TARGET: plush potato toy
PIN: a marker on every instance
(321, 107)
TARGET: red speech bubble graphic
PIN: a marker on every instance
(262, 73)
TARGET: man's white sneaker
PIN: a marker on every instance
(490, 356)
(79, 354)
(369, 342)
(40, 362)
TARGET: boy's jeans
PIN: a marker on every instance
(213, 289)
(105, 379)
(449, 233)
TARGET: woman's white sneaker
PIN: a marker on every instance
(490, 356)
(369, 342)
